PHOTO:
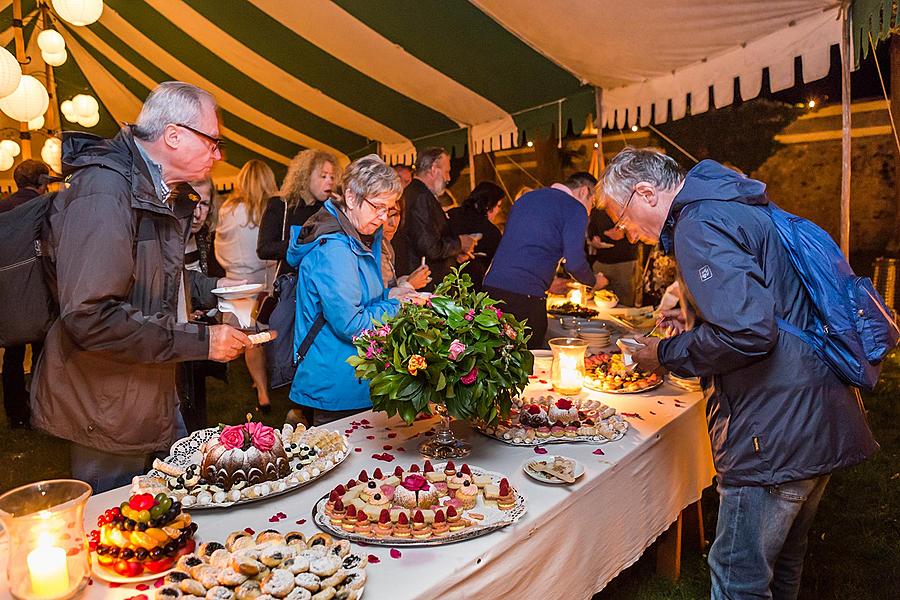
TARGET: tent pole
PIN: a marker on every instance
(471, 159)
(598, 109)
(845, 130)
(18, 35)
(53, 120)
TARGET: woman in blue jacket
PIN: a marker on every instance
(338, 256)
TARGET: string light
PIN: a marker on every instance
(634, 127)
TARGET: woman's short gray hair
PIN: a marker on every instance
(368, 176)
(171, 102)
(634, 165)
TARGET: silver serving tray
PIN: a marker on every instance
(580, 439)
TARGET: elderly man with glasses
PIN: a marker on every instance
(107, 378)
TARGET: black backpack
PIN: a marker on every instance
(27, 283)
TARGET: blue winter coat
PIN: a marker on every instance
(776, 413)
(340, 276)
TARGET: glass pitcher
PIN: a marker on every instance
(48, 555)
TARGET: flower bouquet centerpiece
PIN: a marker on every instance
(456, 353)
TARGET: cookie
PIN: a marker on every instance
(308, 581)
(336, 579)
(244, 561)
(249, 590)
(208, 575)
(186, 562)
(176, 577)
(220, 558)
(228, 576)
(326, 594)
(353, 561)
(208, 548)
(295, 538)
(278, 583)
(299, 593)
(169, 592)
(340, 548)
(269, 536)
(295, 565)
(219, 592)
(193, 587)
(325, 566)
(319, 539)
(356, 579)
(273, 555)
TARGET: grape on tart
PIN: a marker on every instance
(611, 375)
(544, 419)
(145, 534)
(418, 503)
(269, 564)
(248, 461)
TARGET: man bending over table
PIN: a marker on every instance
(780, 421)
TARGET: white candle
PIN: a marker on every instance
(575, 296)
(49, 572)
(569, 377)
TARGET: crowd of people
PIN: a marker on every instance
(141, 240)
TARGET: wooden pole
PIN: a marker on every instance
(845, 130)
(19, 36)
(52, 121)
(471, 159)
(598, 109)
(895, 109)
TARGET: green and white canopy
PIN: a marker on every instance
(360, 76)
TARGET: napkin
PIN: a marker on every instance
(242, 308)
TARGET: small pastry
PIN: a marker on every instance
(233, 538)
(454, 521)
(192, 587)
(439, 526)
(467, 493)
(219, 592)
(325, 566)
(269, 536)
(335, 580)
(296, 540)
(299, 593)
(188, 562)
(356, 579)
(244, 561)
(353, 561)
(542, 432)
(231, 578)
(450, 469)
(273, 555)
(384, 528)
(308, 581)
(278, 583)
(332, 498)
(296, 565)
(206, 550)
(338, 512)
(249, 590)
(348, 523)
(169, 592)
(571, 431)
(402, 528)
(220, 558)
(324, 594)
(207, 575)
(340, 548)
(507, 498)
(320, 539)
(362, 525)
(420, 529)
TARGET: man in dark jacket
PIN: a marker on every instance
(107, 378)
(31, 177)
(780, 420)
(424, 231)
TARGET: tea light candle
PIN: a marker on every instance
(49, 572)
(575, 296)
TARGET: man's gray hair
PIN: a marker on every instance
(171, 102)
(634, 165)
(428, 157)
(368, 176)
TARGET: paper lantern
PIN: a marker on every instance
(67, 108)
(10, 147)
(35, 124)
(78, 12)
(29, 101)
(51, 153)
(10, 72)
(55, 59)
(6, 161)
(89, 121)
(51, 42)
(85, 105)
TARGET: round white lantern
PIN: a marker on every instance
(29, 101)
(67, 108)
(6, 161)
(89, 121)
(55, 59)
(51, 153)
(10, 147)
(85, 105)
(35, 124)
(51, 42)
(10, 72)
(78, 12)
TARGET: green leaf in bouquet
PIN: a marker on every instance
(407, 412)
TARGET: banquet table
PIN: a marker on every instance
(570, 543)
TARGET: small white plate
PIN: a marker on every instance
(545, 477)
(237, 292)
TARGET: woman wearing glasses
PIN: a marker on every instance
(338, 258)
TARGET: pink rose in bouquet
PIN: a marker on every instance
(456, 348)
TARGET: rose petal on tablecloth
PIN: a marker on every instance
(652, 413)
(357, 449)
(599, 452)
(249, 530)
(90, 582)
(114, 585)
(395, 553)
(387, 447)
(273, 519)
(392, 435)
(364, 422)
(632, 415)
(542, 380)
(540, 450)
(374, 560)
(142, 587)
(300, 521)
(401, 449)
(370, 437)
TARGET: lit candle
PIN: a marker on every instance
(569, 377)
(575, 296)
(48, 570)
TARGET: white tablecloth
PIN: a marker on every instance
(570, 544)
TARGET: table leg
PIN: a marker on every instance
(693, 523)
(668, 551)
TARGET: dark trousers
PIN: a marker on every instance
(193, 396)
(15, 392)
(532, 308)
(322, 417)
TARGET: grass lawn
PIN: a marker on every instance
(854, 549)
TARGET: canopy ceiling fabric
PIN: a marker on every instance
(355, 76)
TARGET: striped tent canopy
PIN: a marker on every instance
(360, 76)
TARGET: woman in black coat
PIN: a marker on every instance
(475, 216)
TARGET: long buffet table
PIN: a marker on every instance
(571, 542)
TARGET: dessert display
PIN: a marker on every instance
(569, 309)
(269, 565)
(219, 467)
(613, 376)
(551, 419)
(420, 505)
(144, 535)
(554, 469)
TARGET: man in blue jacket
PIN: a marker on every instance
(780, 421)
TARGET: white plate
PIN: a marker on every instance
(236, 292)
(545, 477)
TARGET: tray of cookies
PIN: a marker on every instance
(421, 505)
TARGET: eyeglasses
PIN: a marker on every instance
(381, 211)
(621, 223)
(218, 143)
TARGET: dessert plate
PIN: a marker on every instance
(188, 451)
(529, 467)
(236, 292)
(597, 388)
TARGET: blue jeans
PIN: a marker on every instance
(761, 539)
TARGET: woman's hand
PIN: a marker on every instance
(420, 277)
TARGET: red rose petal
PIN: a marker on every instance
(357, 449)
(374, 560)
(392, 435)
(387, 447)
(652, 413)
(659, 401)
(532, 377)
(543, 380)
(91, 581)
(385, 457)
(365, 421)
(598, 451)
(159, 582)
(540, 450)
(401, 449)
(348, 431)
(249, 530)
(73, 551)
(114, 585)
(632, 415)
(395, 553)
(300, 521)
(370, 437)
(142, 587)
(368, 427)
(282, 515)
(273, 519)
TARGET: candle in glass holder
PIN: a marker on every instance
(567, 369)
(47, 570)
(575, 296)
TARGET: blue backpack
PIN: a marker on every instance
(853, 329)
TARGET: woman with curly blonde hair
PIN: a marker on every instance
(309, 182)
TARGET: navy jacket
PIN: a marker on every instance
(543, 226)
(776, 413)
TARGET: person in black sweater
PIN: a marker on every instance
(309, 182)
(475, 216)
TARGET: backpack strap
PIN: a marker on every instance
(317, 326)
